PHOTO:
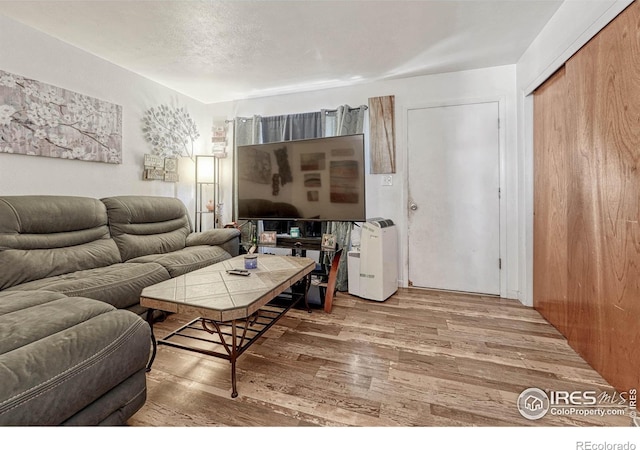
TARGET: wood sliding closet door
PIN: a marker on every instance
(587, 201)
(552, 122)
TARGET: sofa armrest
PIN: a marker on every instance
(217, 236)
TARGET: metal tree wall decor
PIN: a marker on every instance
(43, 120)
(170, 131)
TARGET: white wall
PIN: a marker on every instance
(496, 83)
(570, 28)
(27, 52)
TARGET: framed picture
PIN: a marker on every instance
(328, 242)
(267, 238)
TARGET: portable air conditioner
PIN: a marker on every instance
(373, 272)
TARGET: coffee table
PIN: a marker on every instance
(232, 311)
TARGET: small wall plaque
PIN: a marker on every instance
(171, 164)
(171, 177)
(153, 161)
(153, 174)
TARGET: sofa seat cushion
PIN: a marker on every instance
(58, 355)
(119, 285)
(15, 301)
(187, 259)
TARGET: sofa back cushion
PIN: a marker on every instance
(143, 225)
(44, 236)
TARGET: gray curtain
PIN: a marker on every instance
(328, 122)
(343, 121)
(350, 120)
(274, 128)
(291, 127)
(342, 232)
(304, 126)
(247, 130)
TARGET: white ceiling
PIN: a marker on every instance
(223, 50)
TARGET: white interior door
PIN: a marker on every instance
(454, 204)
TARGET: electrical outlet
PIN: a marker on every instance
(387, 180)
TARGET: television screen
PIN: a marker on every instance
(311, 179)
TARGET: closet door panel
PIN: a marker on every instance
(604, 212)
(587, 201)
(552, 127)
(583, 213)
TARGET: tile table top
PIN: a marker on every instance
(214, 294)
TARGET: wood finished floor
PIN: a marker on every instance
(421, 358)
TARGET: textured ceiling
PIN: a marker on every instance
(223, 50)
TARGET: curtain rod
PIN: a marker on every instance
(350, 108)
(365, 107)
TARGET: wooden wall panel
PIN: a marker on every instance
(552, 120)
(602, 182)
(382, 134)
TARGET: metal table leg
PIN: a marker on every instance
(234, 342)
(233, 350)
(153, 339)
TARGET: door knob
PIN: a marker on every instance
(413, 206)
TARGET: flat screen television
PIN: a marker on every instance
(305, 180)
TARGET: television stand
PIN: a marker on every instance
(296, 244)
(302, 243)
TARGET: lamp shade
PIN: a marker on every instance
(205, 172)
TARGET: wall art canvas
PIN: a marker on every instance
(312, 161)
(43, 120)
(342, 152)
(284, 170)
(344, 182)
(312, 180)
(257, 167)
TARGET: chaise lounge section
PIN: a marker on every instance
(73, 344)
(69, 360)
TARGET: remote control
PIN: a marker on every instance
(244, 273)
